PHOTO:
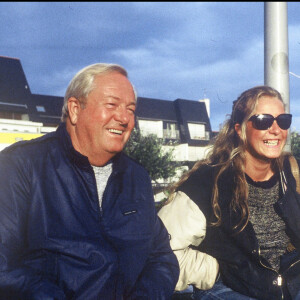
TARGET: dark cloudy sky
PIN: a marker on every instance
(188, 50)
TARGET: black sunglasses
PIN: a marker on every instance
(265, 121)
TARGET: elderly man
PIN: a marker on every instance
(77, 216)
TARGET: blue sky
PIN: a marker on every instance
(188, 50)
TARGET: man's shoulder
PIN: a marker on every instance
(29, 147)
(21, 157)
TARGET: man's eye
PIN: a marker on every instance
(110, 104)
(132, 110)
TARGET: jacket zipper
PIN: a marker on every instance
(279, 277)
(292, 265)
(101, 212)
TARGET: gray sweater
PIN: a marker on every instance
(268, 226)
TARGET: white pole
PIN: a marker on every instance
(276, 56)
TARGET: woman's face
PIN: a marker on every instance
(266, 144)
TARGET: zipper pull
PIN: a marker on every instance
(279, 280)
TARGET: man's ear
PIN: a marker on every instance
(238, 129)
(74, 109)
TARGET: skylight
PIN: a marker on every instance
(40, 108)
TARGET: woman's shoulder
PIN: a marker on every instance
(202, 175)
(199, 184)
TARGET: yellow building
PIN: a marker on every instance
(12, 131)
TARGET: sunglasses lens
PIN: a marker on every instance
(284, 121)
(262, 122)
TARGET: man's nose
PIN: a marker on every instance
(122, 115)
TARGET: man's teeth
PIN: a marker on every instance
(271, 142)
(115, 131)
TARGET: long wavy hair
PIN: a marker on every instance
(228, 151)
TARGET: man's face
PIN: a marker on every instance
(103, 127)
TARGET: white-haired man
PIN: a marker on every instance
(77, 216)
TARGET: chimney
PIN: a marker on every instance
(207, 104)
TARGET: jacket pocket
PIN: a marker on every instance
(135, 220)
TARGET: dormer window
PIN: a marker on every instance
(197, 131)
(151, 127)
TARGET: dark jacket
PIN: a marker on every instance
(241, 266)
(56, 242)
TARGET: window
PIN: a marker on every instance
(151, 127)
(171, 131)
(10, 115)
(40, 108)
(197, 131)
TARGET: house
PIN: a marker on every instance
(23, 115)
(182, 124)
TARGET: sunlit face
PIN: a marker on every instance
(103, 126)
(266, 144)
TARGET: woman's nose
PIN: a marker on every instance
(274, 128)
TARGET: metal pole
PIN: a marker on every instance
(276, 57)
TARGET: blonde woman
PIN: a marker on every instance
(235, 217)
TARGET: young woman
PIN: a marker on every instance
(243, 200)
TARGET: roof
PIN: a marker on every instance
(45, 109)
(155, 109)
(14, 88)
(166, 110)
(192, 111)
(15, 95)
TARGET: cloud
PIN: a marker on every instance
(182, 78)
(171, 50)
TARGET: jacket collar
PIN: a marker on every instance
(120, 161)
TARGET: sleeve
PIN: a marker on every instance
(18, 281)
(160, 274)
(186, 225)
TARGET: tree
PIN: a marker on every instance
(295, 144)
(148, 151)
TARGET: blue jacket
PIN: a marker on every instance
(56, 242)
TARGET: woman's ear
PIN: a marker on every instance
(74, 109)
(238, 129)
